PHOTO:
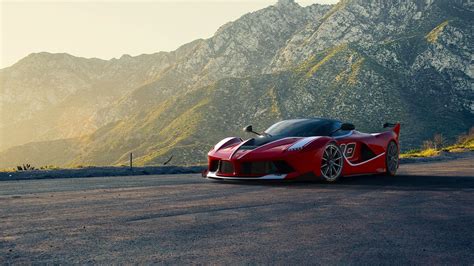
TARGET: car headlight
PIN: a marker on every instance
(300, 144)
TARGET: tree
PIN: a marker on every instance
(428, 144)
(438, 141)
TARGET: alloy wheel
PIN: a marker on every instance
(392, 158)
(332, 161)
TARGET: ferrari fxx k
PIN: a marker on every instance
(305, 148)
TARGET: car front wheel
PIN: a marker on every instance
(332, 163)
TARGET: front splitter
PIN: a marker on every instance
(213, 175)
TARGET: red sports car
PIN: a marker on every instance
(305, 148)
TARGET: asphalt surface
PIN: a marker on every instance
(425, 215)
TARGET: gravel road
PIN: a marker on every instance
(423, 215)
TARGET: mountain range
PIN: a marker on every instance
(365, 62)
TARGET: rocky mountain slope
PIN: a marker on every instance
(50, 96)
(362, 61)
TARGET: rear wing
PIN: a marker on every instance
(395, 127)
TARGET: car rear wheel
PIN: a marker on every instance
(391, 158)
(332, 163)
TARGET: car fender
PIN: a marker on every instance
(318, 149)
(309, 158)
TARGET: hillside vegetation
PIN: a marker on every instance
(435, 147)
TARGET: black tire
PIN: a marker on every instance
(332, 163)
(391, 159)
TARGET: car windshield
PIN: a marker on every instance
(303, 128)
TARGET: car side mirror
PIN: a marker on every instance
(347, 126)
(249, 129)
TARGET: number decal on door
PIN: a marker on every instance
(348, 149)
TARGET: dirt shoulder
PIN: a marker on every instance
(99, 172)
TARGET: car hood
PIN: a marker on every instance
(254, 143)
(256, 146)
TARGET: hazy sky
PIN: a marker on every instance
(107, 29)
